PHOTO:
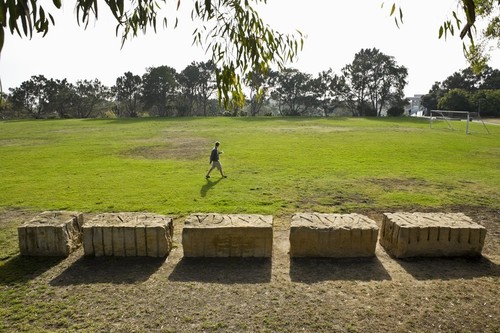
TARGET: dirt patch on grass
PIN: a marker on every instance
(315, 129)
(378, 294)
(173, 149)
(318, 202)
(398, 184)
(495, 121)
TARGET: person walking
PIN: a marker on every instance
(214, 161)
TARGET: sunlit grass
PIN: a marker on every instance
(275, 165)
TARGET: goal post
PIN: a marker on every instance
(451, 115)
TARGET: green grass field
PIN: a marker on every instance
(275, 165)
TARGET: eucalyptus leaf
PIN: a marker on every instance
(2, 36)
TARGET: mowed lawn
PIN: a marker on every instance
(274, 165)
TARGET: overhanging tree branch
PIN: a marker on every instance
(231, 29)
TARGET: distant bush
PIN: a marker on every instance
(395, 111)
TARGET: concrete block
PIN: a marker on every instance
(52, 233)
(232, 235)
(128, 234)
(332, 235)
(431, 234)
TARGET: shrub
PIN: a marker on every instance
(395, 111)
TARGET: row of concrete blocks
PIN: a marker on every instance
(58, 233)
(238, 235)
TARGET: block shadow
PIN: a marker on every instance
(452, 268)
(21, 269)
(314, 270)
(116, 270)
(223, 270)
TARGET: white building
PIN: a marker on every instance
(415, 108)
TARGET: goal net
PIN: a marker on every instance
(454, 119)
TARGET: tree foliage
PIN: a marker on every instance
(31, 96)
(159, 86)
(188, 81)
(5, 107)
(374, 79)
(490, 79)
(40, 97)
(465, 17)
(161, 91)
(231, 30)
(395, 111)
(292, 90)
(327, 89)
(465, 80)
(369, 86)
(455, 100)
(197, 85)
(466, 91)
(59, 96)
(90, 96)
(430, 101)
(488, 102)
(260, 84)
(127, 92)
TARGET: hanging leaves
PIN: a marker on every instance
(232, 30)
(475, 45)
(240, 43)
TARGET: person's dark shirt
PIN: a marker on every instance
(214, 156)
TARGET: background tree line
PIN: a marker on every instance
(466, 91)
(372, 85)
(241, 42)
(161, 91)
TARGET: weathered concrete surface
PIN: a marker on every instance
(128, 234)
(332, 235)
(233, 235)
(431, 234)
(52, 233)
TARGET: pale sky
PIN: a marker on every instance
(335, 30)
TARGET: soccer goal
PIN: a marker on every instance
(452, 116)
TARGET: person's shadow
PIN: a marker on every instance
(205, 188)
